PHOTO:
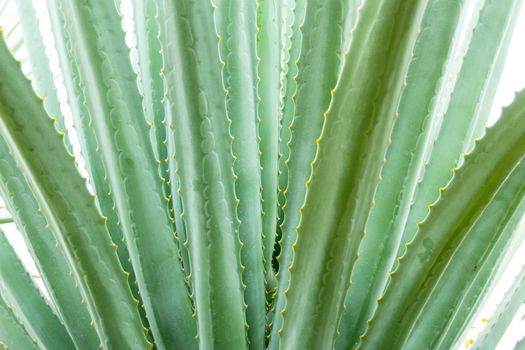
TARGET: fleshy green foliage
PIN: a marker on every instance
(281, 174)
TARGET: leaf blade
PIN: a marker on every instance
(18, 290)
(38, 150)
(485, 169)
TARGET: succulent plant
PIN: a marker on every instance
(281, 174)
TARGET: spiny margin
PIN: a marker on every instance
(68, 207)
(89, 144)
(484, 282)
(13, 335)
(114, 105)
(268, 115)
(451, 215)
(377, 47)
(52, 264)
(495, 21)
(411, 137)
(512, 301)
(239, 25)
(19, 291)
(203, 143)
(310, 101)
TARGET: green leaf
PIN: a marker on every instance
(502, 35)
(68, 208)
(463, 115)
(150, 80)
(484, 281)
(41, 75)
(451, 218)
(50, 261)
(151, 89)
(412, 136)
(512, 301)
(357, 125)
(18, 290)
(269, 53)
(199, 132)
(89, 145)
(471, 254)
(239, 73)
(302, 120)
(295, 15)
(12, 333)
(114, 105)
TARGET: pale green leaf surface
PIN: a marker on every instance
(356, 125)
(12, 333)
(304, 111)
(512, 301)
(19, 292)
(468, 257)
(484, 281)
(240, 80)
(50, 261)
(411, 138)
(201, 143)
(450, 219)
(114, 105)
(488, 38)
(89, 146)
(269, 51)
(41, 75)
(67, 206)
(295, 18)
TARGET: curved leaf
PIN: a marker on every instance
(19, 292)
(451, 218)
(68, 208)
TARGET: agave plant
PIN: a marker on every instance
(281, 174)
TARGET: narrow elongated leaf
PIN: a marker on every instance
(239, 73)
(199, 136)
(147, 30)
(317, 74)
(150, 80)
(18, 290)
(269, 25)
(485, 279)
(114, 106)
(504, 32)
(512, 301)
(89, 145)
(357, 125)
(12, 333)
(469, 257)
(295, 17)
(296, 12)
(42, 77)
(411, 138)
(151, 89)
(68, 208)
(50, 261)
(450, 220)
(496, 21)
